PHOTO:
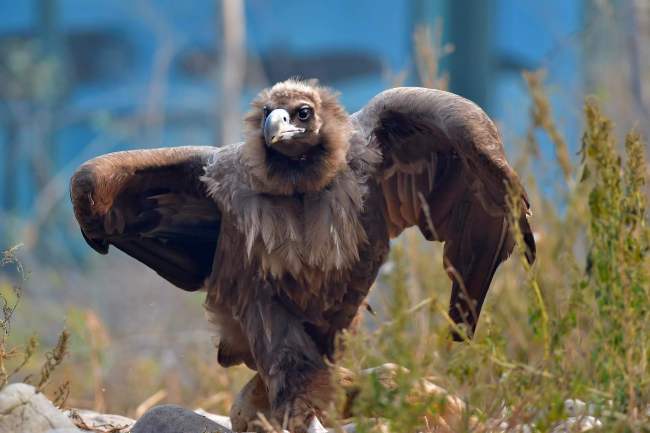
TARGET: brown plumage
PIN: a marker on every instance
(286, 231)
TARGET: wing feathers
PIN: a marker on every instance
(151, 205)
(444, 148)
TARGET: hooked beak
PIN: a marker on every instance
(277, 127)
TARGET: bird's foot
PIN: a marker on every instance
(297, 416)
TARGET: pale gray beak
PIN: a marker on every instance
(277, 127)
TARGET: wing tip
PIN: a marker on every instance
(82, 190)
(529, 239)
(82, 185)
(531, 248)
(101, 246)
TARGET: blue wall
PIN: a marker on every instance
(111, 52)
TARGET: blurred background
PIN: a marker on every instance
(79, 78)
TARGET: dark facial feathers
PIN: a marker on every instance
(329, 130)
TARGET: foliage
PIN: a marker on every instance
(19, 356)
(575, 325)
(9, 304)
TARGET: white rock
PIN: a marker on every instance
(315, 426)
(575, 407)
(23, 410)
(63, 430)
(99, 422)
(504, 427)
(578, 424)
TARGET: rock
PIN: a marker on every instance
(63, 430)
(578, 424)
(219, 419)
(23, 410)
(575, 407)
(175, 419)
(88, 420)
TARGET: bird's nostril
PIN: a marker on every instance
(284, 118)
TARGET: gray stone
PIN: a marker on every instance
(23, 410)
(175, 419)
(219, 419)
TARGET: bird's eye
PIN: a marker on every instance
(304, 113)
(267, 111)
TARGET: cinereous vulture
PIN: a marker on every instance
(286, 231)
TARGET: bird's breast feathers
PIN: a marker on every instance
(295, 234)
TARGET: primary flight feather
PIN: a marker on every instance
(286, 231)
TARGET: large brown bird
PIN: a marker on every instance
(286, 231)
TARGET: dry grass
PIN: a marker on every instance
(14, 359)
(575, 325)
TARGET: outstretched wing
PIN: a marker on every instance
(151, 205)
(444, 170)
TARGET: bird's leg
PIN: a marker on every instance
(299, 410)
(296, 376)
(251, 401)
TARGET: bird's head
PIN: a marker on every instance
(297, 137)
